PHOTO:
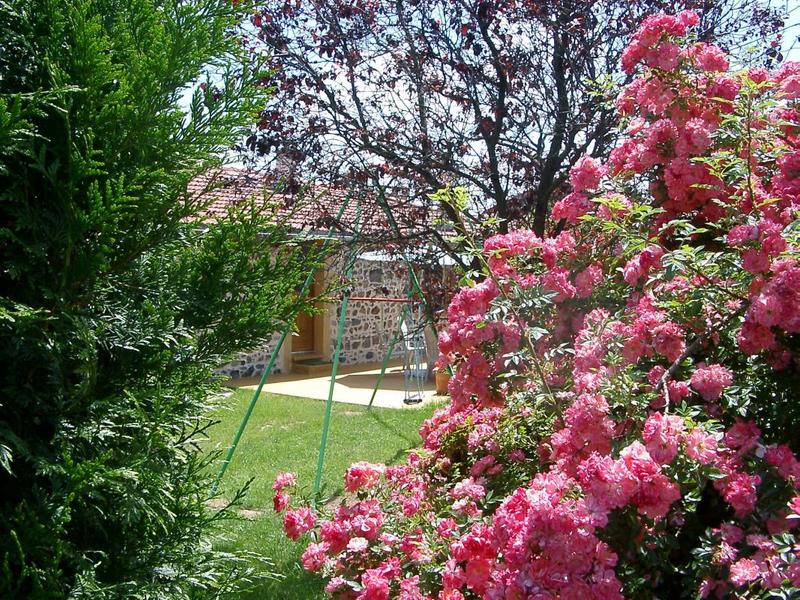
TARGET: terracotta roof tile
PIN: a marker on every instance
(313, 209)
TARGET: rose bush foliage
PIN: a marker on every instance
(626, 390)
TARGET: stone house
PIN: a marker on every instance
(378, 280)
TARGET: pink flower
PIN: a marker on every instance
(545, 540)
(446, 523)
(668, 340)
(586, 174)
(557, 280)
(608, 481)
(483, 464)
(661, 435)
(678, 390)
(362, 475)
(666, 58)
(468, 488)
(744, 571)
(366, 519)
(446, 527)
(336, 584)
(409, 589)
(742, 234)
(477, 573)
(754, 337)
(655, 493)
(688, 18)
(283, 480)
(298, 521)
(657, 26)
(782, 458)
(314, 557)
(742, 435)
(794, 506)
(710, 57)
(517, 455)
(701, 446)
(335, 535)
(725, 88)
(631, 57)
(739, 490)
(587, 279)
(588, 429)
(633, 271)
(280, 501)
(655, 374)
(571, 207)
(357, 545)
(758, 74)
(696, 137)
(790, 86)
(375, 585)
(731, 534)
(755, 261)
(710, 380)
(766, 310)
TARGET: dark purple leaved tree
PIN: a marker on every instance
(499, 96)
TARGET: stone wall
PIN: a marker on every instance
(252, 364)
(369, 326)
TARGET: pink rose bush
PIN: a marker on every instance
(624, 406)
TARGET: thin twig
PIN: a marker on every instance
(689, 351)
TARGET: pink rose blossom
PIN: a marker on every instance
(357, 544)
(710, 380)
(298, 521)
(744, 571)
(362, 475)
(283, 480)
(662, 435)
(701, 446)
(586, 173)
(314, 557)
(280, 501)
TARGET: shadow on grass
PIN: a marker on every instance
(412, 439)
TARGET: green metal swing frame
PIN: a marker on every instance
(414, 290)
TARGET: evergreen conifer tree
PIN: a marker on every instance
(116, 302)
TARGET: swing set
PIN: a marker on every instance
(410, 330)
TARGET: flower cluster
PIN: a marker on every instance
(622, 410)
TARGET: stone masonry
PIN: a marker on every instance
(252, 364)
(369, 326)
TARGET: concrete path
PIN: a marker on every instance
(354, 385)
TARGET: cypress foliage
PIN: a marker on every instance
(114, 306)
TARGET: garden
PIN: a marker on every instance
(284, 434)
(617, 187)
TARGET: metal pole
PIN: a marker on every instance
(392, 344)
(335, 367)
(273, 357)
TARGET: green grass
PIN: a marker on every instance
(284, 435)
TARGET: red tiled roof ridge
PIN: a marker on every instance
(313, 208)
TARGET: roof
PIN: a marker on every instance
(310, 210)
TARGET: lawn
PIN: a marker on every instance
(284, 435)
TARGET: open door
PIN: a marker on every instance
(304, 341)
(310, 354)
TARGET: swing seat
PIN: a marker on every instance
(414, 374)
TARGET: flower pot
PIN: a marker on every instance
(442, 379)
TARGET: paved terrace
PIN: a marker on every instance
(354, 385)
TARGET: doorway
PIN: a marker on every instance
(311, 339)
(304, 340)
